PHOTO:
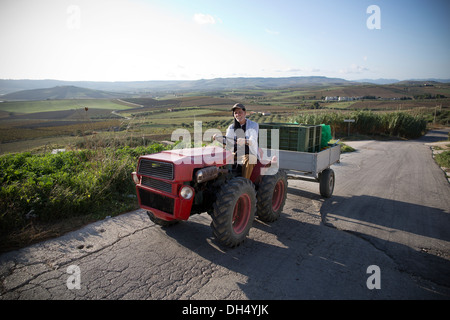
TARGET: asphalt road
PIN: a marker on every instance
(385, 234)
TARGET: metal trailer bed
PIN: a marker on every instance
(312, 166)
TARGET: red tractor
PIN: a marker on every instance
(175, 184)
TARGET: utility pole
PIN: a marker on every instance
(349, 121)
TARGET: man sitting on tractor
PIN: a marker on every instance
(242, 136)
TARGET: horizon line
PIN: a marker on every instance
(231, 77)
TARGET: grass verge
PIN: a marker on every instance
(63, 190)
(443, 159)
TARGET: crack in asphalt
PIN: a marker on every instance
(386, 252)
(48, 266)
(128, 257)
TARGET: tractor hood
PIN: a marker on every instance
(186, 160)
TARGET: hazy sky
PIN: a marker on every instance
(118, 40)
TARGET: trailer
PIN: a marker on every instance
(309, 166)
(303, 151)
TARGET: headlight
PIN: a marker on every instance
(186, 192)
(135, 178)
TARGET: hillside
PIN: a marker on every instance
(59, 93)
(262, 83)
(8, 86)
(154, 86)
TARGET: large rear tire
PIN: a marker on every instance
(234, 212)
(271, 196)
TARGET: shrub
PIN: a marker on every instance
(51, 187)
(399, 124)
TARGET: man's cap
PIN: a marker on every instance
(238, 105)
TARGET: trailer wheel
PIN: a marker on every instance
(234, 212)
(271, 196)
(326, 180)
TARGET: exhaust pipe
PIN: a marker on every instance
(206, 174)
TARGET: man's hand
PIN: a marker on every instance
(240, 141)
(219, 138)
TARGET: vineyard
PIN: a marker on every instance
(104, 138)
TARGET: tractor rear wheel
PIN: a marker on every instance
(271, 196)
(234, 211)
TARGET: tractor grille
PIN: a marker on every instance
(156, 184)
(156, 201)
(157, 169)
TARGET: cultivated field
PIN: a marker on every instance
(71, 123)
(104, 138)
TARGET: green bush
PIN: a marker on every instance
(50, 187)
(399, 124)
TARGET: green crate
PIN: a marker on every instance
(294, 137)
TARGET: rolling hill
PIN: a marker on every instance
(9, 86)
(315, 86)
(59, 93)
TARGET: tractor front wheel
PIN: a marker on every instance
(234, 212)
(271, 196)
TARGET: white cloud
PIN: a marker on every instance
(354, 68)
(201, 18)
(272, 32)
(295, 71)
